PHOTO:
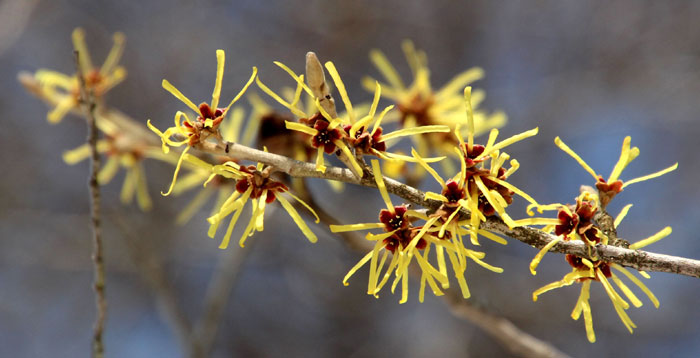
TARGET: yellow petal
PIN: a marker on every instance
(628, 293)
(297, 219)
(356, 267)
(413, 131)
(355, 227)
(307, 206)
(506, 142)
(340, 86)
(177, 170)
(229, 230)
(300, 128)
(622, 215)
(298, 78)
(460, 81)
(381, 117)
(639, 283)
(536, 261)
(220, 61)
(253, 76)
(175, 92)
(537, 221)
(470, 116)
(78, 37)
(623, 161)
(651, 239)
(114, 54)
(576, 157)
(387, 70)
(379, 179)
(296, 111)
(650, 176)
(427, 167)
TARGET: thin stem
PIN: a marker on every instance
(87, 99)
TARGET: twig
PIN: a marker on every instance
(637, 259)
(88, 101)
(505, 332)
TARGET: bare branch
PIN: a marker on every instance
(87, 99)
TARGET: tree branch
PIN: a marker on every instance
(637, 259)
(87, 99)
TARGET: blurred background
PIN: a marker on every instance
(591, 72)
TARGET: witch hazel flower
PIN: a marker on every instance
(400, 239)
(62, 91)
(585, 271)
(255, 185)
(480, 189)
(608, 188)
(209, 116)
(376, 142)
(580, 222)
(221, 187)
(122, 151)
(325, 131)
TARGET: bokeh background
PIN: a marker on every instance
(591, 72)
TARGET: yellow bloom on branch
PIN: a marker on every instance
(254, 185)
(207, 122)
(482, 190)
(63, 92)
(613, 185)
(420, 105)
(577, 223)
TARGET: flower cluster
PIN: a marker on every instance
(584, 221)
(481, 190)
(329, 132)
(403, 240)
(436, 121)
(254, 184)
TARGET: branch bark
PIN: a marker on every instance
(637, 259)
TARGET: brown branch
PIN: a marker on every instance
(87, 99)
(637, 259)
(502, 330)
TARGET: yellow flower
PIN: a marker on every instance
(325, 131)
(420, 105)
(482, 190)
(576, 223)
(62, 91)
(121, 151)
(585, 271)
(205, 125)
(254, 184)
(221, 186)
(329, 132)
(404, 241)
(401, 239)
(613, 185)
